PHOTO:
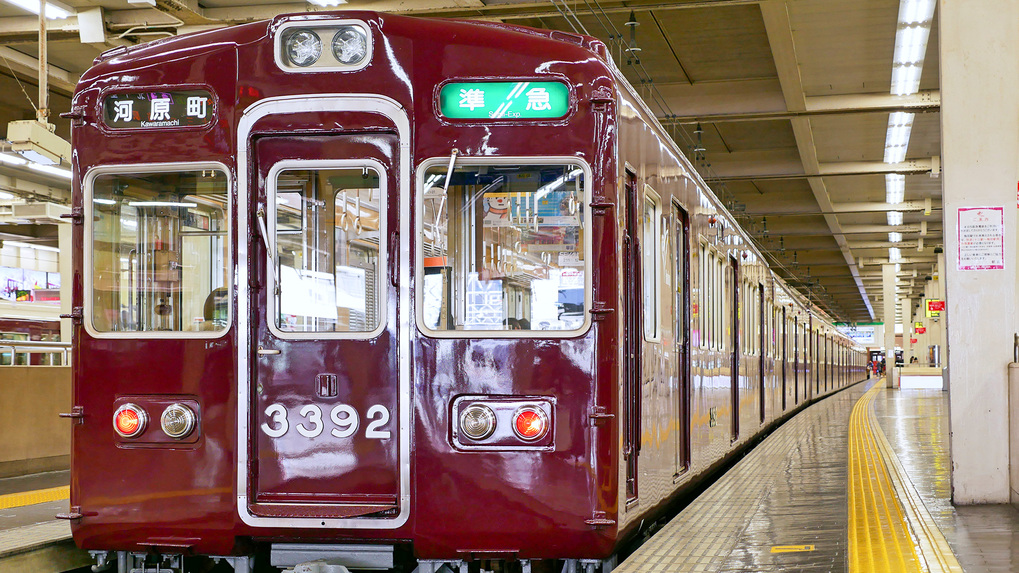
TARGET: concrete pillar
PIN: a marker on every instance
(980, 143)
(907, 328)
(888, 290)
(943, 322)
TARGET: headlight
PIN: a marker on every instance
(303, 48)
(177, 421)
(350, 45)
(477, 422)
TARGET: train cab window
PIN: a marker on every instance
(158, 259)
(503, 247)
(327, 235)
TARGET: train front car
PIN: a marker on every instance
(346, 293)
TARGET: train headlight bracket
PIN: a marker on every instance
(301, 45)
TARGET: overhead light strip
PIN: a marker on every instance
(912, 33)
(54, 10)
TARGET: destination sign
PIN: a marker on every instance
(504, 100)
(187, 108)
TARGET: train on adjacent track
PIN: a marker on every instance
(403, 293)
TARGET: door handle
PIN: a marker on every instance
(267, 351)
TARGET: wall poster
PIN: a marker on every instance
(981, 238)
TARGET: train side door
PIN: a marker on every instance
(632, 335)
(681, 326)
(734, 342)
(325, 392)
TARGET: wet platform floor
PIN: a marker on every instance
(857, 482)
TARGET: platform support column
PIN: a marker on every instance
(979, 51)
(888, 291)
(943, 323)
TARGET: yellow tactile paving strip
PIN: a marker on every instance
(889, 527)
(879, 537)
(33, 497)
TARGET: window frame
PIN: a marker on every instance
(382, 279)
(88, 184)
(419, 269)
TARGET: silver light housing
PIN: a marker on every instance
(350, 45)
(178, 421)
(477, 421)
(303, 47)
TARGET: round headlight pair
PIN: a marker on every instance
(177, 421)
(303, 47)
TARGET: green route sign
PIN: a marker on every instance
(504, 100)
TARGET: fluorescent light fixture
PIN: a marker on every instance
(12, 159)
(4, 196)
(30, 246)
(900, 124)
(54, 10)
(895, 188)
(894, 237)
(894, 218)
(327, 3)
(66, 173)
(161, 204)
(898, 266)
(104, 201)
(914, 28)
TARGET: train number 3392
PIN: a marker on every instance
(344, 418)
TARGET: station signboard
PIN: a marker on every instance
(935, 307)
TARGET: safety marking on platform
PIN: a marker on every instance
(886, 513)
(791, 548)
(33, 497)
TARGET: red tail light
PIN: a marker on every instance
(129, 420)
(530, 423)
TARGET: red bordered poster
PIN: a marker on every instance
(981, 238)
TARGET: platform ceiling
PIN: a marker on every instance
(792, 97)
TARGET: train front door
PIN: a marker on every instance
(325, 392)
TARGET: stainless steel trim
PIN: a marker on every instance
(362, 103)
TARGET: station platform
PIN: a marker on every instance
(858, 482)
(30, 538)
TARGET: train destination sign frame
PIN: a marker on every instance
(504, 100)
(168, 109)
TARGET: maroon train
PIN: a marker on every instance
(404, 293)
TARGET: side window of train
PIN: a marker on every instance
(700, 303)
(327, 230)
(504, 247)
(651, 246)
(157, 258)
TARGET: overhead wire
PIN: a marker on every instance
(655, 96)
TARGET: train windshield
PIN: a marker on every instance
(159, 252)
(503, 248)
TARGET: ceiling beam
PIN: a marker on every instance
(926, 101)
(725, 171)
(25, 65)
